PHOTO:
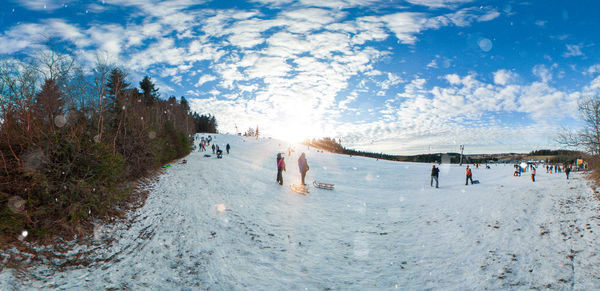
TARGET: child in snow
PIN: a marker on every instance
(280, 168)
(303, 166)
(533, 174)
(568, 170)
(469, 176)
(227, 147)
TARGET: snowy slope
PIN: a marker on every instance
(226, 224)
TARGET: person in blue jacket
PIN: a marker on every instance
(303, 165)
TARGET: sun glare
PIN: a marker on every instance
(296, 131)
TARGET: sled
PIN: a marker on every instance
(323, 185)
(167, 166)
(299, 189)
(475, 182)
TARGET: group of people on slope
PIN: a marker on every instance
(435, 173)
(567, 169)
(215, 148)
(302, 165)
(204, 142)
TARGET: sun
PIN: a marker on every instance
(297, 131)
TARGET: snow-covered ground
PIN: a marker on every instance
(225, 224)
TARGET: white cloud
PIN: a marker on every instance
(156, 8)
(573, 51)
(542, 72)
(544, 102)
(204, 79)
(541, 23)
(433, 64)
(405, 25)
(453, 79)
(439, 3)
(96, 8)
(491, 15)
(502, 77)
(594, 69)
(392, 80)
(44, 5)
(595, 83)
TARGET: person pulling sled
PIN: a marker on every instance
(469, 176)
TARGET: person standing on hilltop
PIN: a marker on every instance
(303, 166)
(280, 168)
(469, 176)
(434, 176)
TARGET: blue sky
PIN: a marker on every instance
(400, 77)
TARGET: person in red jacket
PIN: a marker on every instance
(280, 168)
(469, 176)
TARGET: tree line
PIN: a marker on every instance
(334, 146)
(73, 141)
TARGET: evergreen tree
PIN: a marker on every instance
(116, 86)
(149, 92)
(184, 104)
(212, 124)
(49, 101)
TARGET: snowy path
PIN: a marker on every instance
(226, 225)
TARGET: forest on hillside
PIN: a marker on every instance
(74, 139)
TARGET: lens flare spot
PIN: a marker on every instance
(16, 204)
(60, 120)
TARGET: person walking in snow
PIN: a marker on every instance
(280, 168)
(434, 176)
(533, 174)
(303, 166)
(213, 148)
(469, 176)
(227, 147)
(567, 170)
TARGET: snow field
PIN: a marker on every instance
(226, 224)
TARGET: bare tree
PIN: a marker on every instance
(53, 65)
(100, 76)
(589, 136)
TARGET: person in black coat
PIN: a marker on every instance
(227, 147)
(435, 172)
